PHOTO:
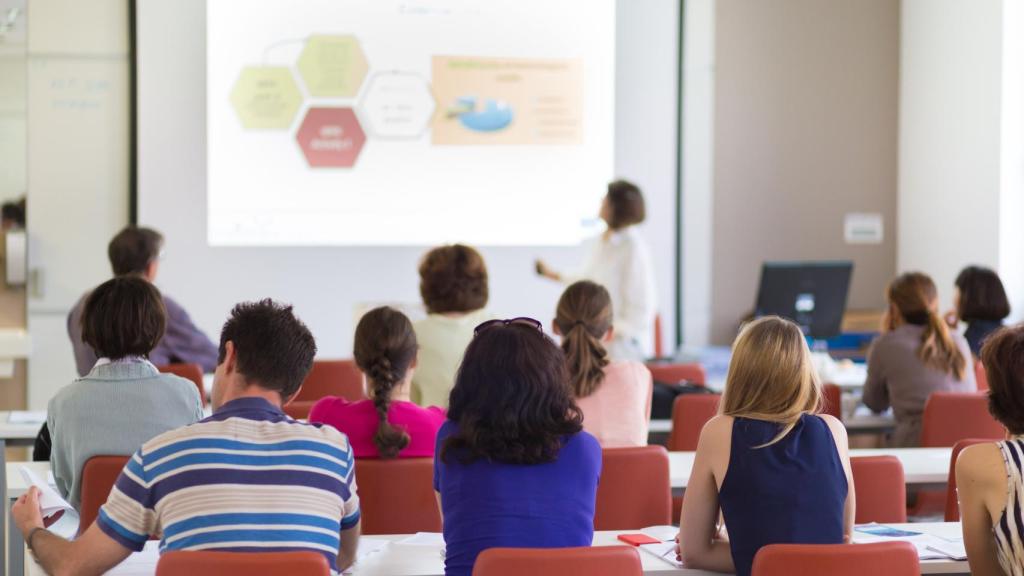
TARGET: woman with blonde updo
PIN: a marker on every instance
(387, 425)
(615, 397)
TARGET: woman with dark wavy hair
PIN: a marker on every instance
(513, 466)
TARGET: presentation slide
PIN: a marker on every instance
(408, 123)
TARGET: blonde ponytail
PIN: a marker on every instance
(939, 350)
(914, 296)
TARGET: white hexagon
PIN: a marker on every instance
(396, 105)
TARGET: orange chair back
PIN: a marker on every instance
(193, 372)
(889, 558)
(675, 373)
(690, 412)
(953, 416)
(659, 344)
(980, 376)
(634, 490)
(397, 496)
(833, 400)
(332, 378)
(952, 504)
(583, 561)
(880, 488)
(98, 477)
(212, 563)
(299, 410)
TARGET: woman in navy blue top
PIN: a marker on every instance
(513, 467)
(778, 471)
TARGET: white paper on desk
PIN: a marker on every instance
(139, 563)
(367, 546)
(50, 503)
(929, 546)
(424, 539)
(663, 533)
(27, 417)
(664, 550)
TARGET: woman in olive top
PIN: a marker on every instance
(917, 354)
(124, 401)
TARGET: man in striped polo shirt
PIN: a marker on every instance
(246, 479)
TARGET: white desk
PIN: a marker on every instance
(410, 560)
(920, 465)
(862, 422)
(13, 435)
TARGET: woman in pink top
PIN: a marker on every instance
(615, 397)
(388, 425)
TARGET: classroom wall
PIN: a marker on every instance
(805, 131)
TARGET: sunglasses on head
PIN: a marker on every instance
(521, 321)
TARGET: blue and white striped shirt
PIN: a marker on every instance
(247, 479)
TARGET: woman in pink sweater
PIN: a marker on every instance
(388, 425)
(615, 397)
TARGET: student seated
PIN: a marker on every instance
(124, 400)
(979, 300)
(388, 425)
(234, 481)
(916, 355)
(453, 285)
(513, 466)
(777, 469)
(990, 476)
(615, 397)
(136, 252)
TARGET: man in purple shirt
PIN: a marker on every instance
(136, 251)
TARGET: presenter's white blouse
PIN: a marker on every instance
(622, 264)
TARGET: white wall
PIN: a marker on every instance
(328, 284)
(77, 167)
(961, 190)
(949, 137)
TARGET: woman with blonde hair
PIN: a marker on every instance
(615, 397)
(917, 354)
(778, 471)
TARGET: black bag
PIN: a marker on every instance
(665, 396)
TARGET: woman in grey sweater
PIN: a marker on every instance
(124, 400)
(916, 355)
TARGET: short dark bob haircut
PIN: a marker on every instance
(453, 279)
(512, 401)
(625, 205)
(982, 296)
(1003, 357)
(273, 348)
(124, 316)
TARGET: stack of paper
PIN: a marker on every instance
(929, 546)
(27, 417)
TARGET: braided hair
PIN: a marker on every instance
(385, 349)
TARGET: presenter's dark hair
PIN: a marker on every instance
(453, 279)
(511, 399)
(1003, 357)
(625, 205)
(584, 316)
(273, 348)
(385, 350)
(133, 250)
(982, 296)
(124, 316)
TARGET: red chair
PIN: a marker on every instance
(331, 378)
(212, 563)
(952, 503)
(634, 490)
(397, 496)
(583, 561)
(193, 372)
(832, 401)
(298, 410)
(953, 416)
(880, 488)
(889, 558)
(659, 344)
(690, 413)
(980, 376)
(675, 373)
(98, 477)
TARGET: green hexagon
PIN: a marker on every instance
(333, 66)
(266, 97)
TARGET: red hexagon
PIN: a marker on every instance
(331, 137)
